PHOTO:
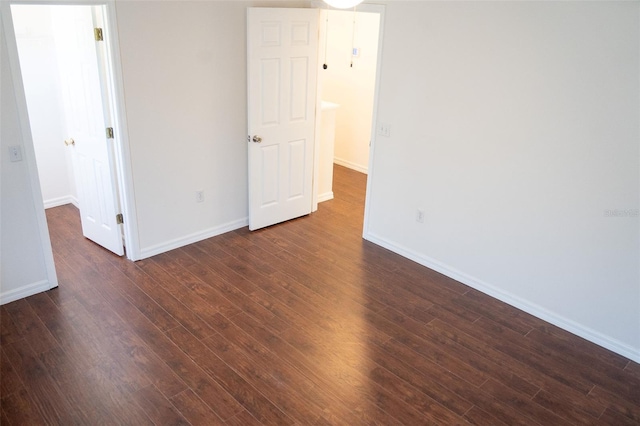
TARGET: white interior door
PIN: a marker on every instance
(282, 70)
(86, 111)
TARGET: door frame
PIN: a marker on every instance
(115, 89)
(380, 9)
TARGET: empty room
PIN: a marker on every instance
(169, 254)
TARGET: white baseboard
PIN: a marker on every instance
(60, 201)
(515, 301)
(325, 197)
(192, 238)
(350, 165)
(25, 291)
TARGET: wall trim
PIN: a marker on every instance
(350, 165)
(60, 201)
(192, 238)
(510, 299)
(325, 197)
(25, 291)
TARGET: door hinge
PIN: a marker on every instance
(119, 219)
(109, 132)
(97, 34)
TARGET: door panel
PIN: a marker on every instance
(282, 66)
(85, 111)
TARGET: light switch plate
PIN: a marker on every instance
(15, 153)
(384, 129)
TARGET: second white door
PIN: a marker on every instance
(282, 71)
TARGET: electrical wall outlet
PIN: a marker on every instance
(420, 216)
(199, 196)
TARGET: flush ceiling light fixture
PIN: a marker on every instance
(343, 4)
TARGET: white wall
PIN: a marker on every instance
(23, 269)
(515, 126)
(39, 66)
(184, 70)
(351, 87)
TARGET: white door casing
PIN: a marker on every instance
(282, 78)
(86, 110)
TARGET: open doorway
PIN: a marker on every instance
(349, 50)
(36, 44)
(70, 103)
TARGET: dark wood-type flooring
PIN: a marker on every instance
(301, 323)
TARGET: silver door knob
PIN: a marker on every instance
(69, 141)
(257, 139)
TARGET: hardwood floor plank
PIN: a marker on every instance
(499, 312)
(612, 417)
(112, 394)
(19, 409)
(430, 350)
(562, 406)
(243, 419)
(169, 304)
(4, 420)
(251, 399)
(131, 352)
(526, 379)
(9, 381)
(219, 277)
(612, 402)
(194, 409)
(10, 332)
(78, 345)
(552, 339)
(458, 384)
(428, 407)
(557, 369)
(84, 395)
(30, 327)
(268, 380)
(317, 372)
(479, 417)
(287, 375)
(523, 403)
(308, 288)
(45, 394)
(203, 300)
(633, 368)
(158, 408)
(433, 384)
(180, 364)
(151, 307)
(179, 301)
